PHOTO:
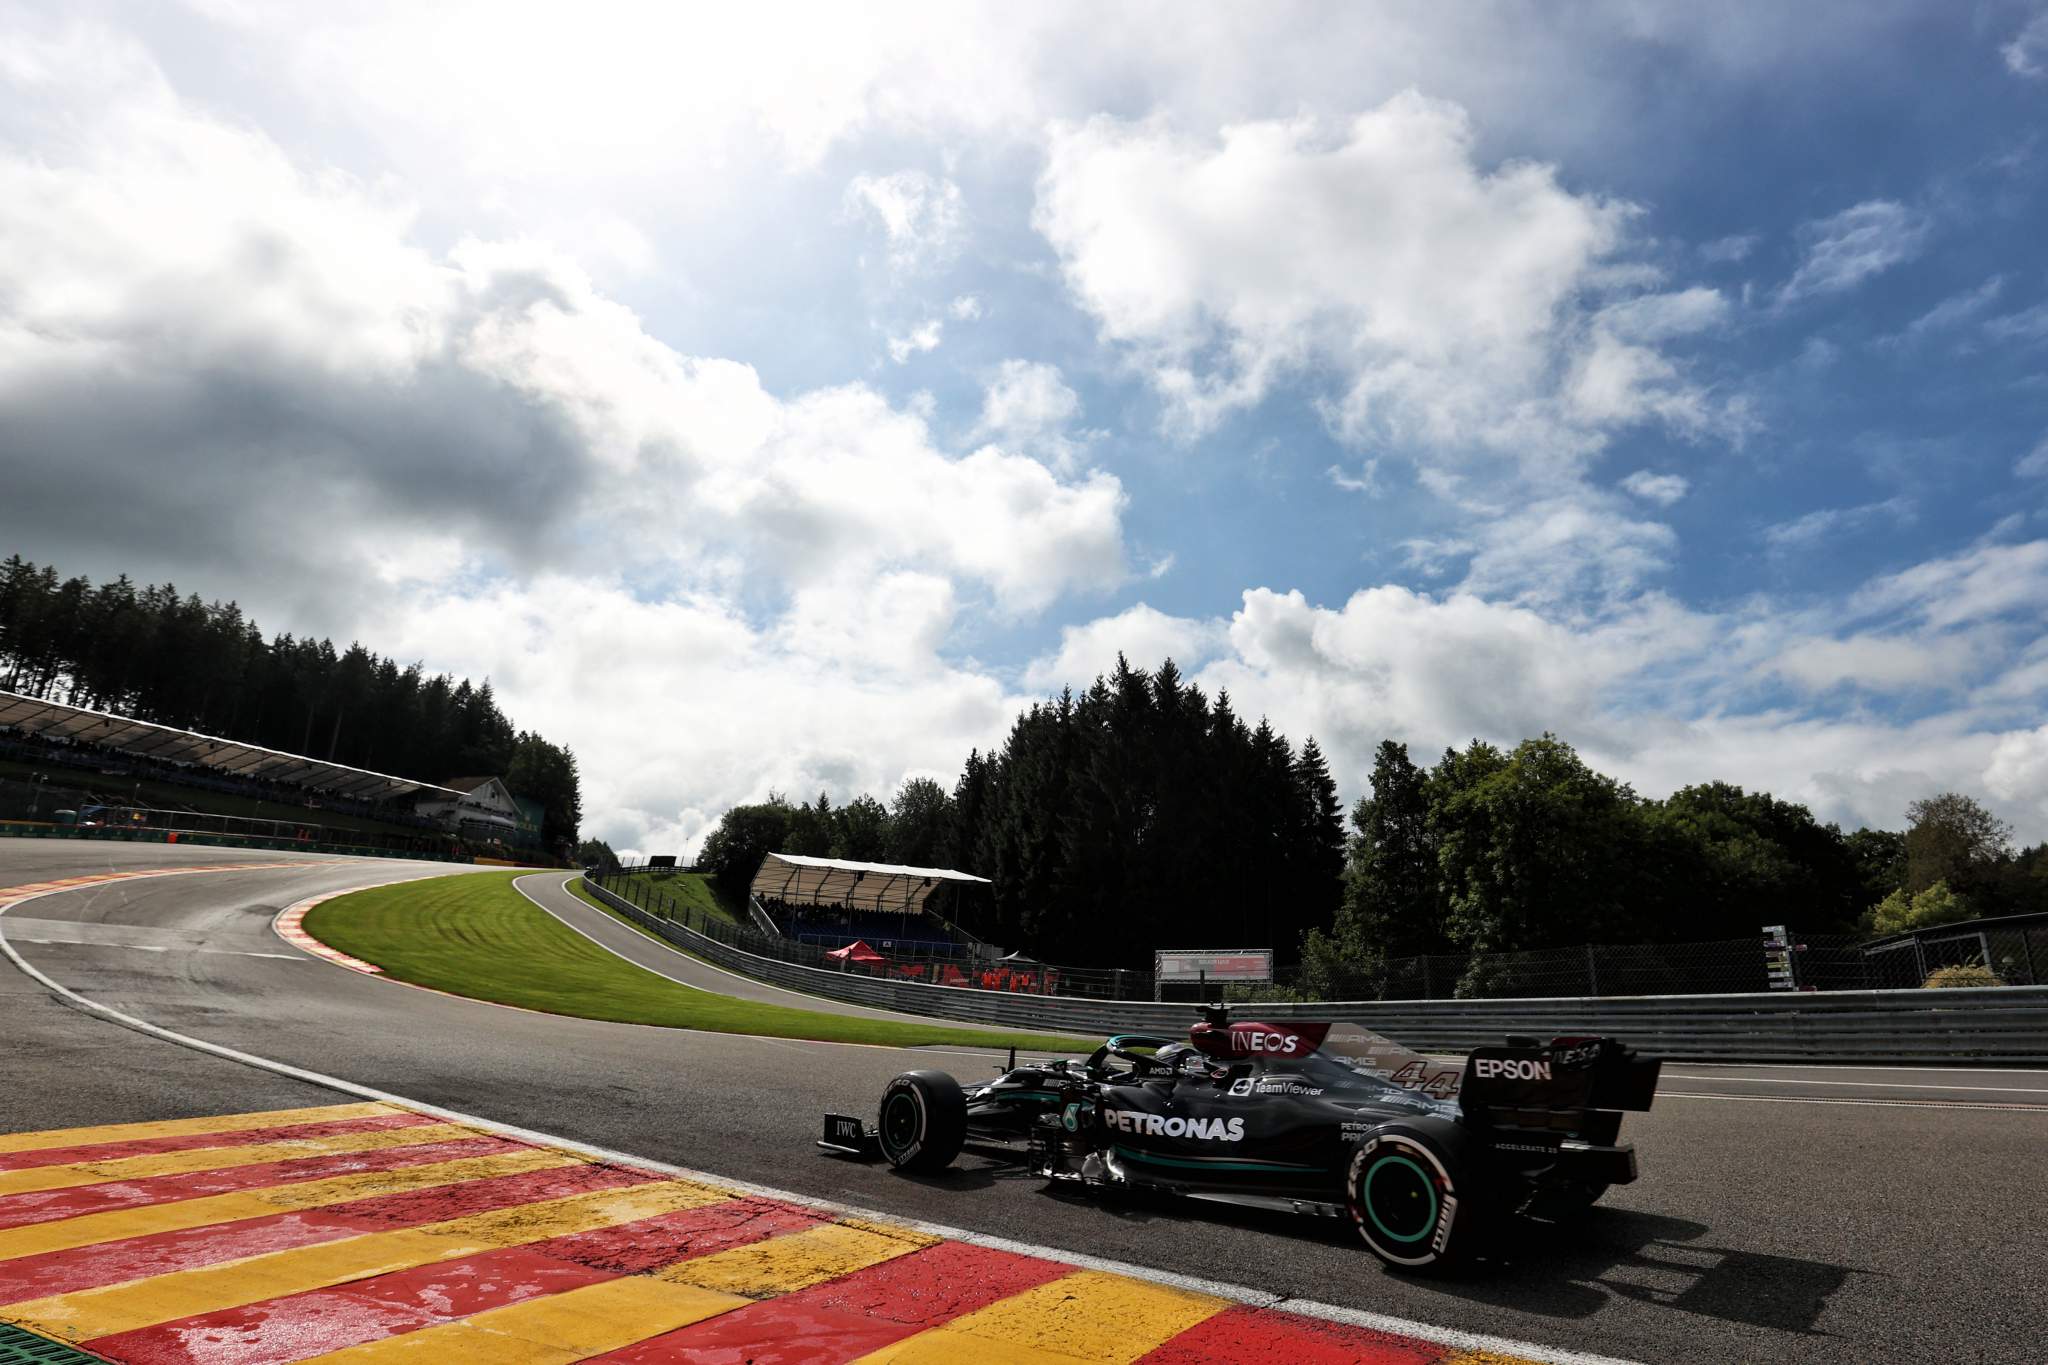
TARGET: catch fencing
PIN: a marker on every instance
(1819, 962)
(1986, 1027)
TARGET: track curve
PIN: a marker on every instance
(1784, 1214)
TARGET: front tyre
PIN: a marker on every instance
(1413, 1196)
(923, 1121)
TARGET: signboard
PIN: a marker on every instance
(662, 860)
(1194, 965)
(1778, 967)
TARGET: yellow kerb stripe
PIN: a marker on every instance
(1088, 1315)
(1485, 1358)
(223, 1123)
(219, 1158)
(783, 1265)
(578, 1323)
(98, 1312)
(115, 1224)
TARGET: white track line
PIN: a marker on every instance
(1939, 1106)
(1878, 1085)
(1258, 1298)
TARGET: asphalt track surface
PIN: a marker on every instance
(1784, 1214)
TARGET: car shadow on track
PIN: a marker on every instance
(1566, 1268)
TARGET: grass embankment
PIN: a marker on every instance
(693, 889)
(474, 935)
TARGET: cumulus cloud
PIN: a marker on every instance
(842, 692)
(1662, 489)
(1850, 247)
(1443, 295)
(1657, 693)
(1140, 633)
(1027, 406)
(920, 215)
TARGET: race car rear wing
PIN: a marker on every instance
(1579, 1086)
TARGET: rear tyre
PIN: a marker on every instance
(1414, 1197)
(923, 1121)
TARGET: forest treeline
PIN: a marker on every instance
(149, 653)
(1141, 814)
(1136, 815)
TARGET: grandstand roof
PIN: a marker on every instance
(227, 757)
(838, 881)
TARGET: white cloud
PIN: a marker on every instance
(1662, 489)
(1723, 250)
(1441, 294)
(1852, 246)
(1986, 582)
(1955, 310)
(1802, 533)
(1876, 662)
(1028, 407)
(1143, 635)
(1657, 694)
(2034, 464)
(2018, 771)
(920, 214)
(2029, 324)
(966, 308)
(1365, 481)
(2027, 53)
(919, 339)
(679, 708)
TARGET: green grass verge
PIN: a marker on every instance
(474, 935)
(691, 889)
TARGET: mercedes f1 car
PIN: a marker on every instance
(1423, 1159)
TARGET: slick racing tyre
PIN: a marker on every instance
(923, 1121)
(1413, 1196)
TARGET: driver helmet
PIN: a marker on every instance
(1174, 1056)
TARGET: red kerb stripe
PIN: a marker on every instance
(135, 1258)
(300, 1325)
(1263, 1336)
(44, 1206)
(184, 1142)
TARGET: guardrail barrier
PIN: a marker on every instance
(1983, 1026)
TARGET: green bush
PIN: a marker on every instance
(1962, 974)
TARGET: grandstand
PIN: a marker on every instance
(833, 902)
(114, 771)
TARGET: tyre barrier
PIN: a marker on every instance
(1984, 1025)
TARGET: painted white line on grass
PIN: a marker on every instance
(1257, 1298)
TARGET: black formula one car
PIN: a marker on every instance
(1315, 1118)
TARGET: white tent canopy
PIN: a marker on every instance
(865, 886)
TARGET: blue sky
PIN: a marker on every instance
(783, 399)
